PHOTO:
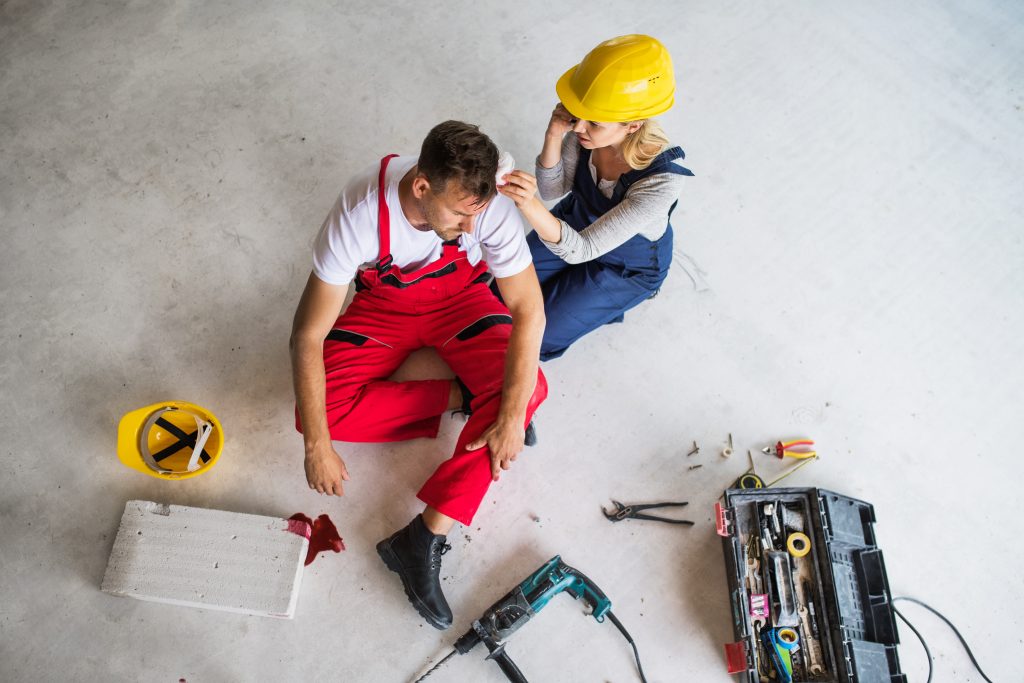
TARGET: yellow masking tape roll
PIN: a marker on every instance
(788, 636)
(798, 544)
(751, 481)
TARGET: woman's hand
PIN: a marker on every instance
(561, 122)
(520, 187)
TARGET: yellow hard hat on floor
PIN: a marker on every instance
(623, 79)
(172, 440)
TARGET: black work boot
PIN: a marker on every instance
(531, 435)
(414, 553)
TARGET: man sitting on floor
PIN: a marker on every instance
(418, 235)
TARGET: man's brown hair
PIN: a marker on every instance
(459, 152)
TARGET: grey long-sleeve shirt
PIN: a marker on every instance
(642, 211)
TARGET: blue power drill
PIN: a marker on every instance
(522, 603)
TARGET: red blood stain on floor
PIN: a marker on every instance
(324, 534)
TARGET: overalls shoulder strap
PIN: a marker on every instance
(585, 204)
(384, 258)
(666, 162)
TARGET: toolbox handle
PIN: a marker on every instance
(736, 657)
(723, 523)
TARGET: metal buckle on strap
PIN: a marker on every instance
(384, 263)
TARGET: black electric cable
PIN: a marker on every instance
(949, 623)
(927, 652)
(629, 639)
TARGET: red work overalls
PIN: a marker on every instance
(445, 305)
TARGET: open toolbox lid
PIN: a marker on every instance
(857, 625)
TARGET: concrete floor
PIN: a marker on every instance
(848, 267)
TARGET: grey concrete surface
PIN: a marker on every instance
(848, 267)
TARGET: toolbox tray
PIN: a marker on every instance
(857, 627)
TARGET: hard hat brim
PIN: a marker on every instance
(576, 107)
(128, 437)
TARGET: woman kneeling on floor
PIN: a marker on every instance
(607, 246)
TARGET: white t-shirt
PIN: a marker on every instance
(348, 240)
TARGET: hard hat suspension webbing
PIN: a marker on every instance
(183, 440)
(197, 440)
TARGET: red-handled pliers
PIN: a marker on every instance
(785, 450)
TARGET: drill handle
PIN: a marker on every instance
(581, 587)
(504, 662)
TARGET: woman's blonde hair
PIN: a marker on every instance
(644, 144)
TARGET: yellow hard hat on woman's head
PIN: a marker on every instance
(623, 79)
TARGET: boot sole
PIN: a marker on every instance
(392, 563)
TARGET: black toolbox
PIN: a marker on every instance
(807, 585)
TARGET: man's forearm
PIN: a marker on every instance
(521, 364)
(310, 391)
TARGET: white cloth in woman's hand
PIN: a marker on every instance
(506, 164)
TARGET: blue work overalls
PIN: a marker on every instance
(579, 298)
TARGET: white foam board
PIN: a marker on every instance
(207, 558)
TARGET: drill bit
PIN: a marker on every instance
(437, 666)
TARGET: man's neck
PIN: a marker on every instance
(410, 207)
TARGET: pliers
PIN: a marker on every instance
(783, 450)
(633, 512)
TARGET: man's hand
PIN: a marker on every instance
(317, 311)
(505, 439)
(325, 471)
